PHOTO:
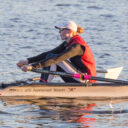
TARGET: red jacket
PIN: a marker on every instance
(87, 58)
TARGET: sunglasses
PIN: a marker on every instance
(62, 29)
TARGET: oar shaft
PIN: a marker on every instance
(101, 71)
(80, 76)
(88, 77)
(109, 80)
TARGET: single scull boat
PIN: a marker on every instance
(69, 90)
(113, 89)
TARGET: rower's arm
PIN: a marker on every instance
(42, 56)
(73, 50)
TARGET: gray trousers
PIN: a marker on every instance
(64, 66)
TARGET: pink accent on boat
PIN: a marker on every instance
(77, 75)
(87, 77)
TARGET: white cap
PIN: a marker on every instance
(67, 24)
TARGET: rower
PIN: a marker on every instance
(72, 56)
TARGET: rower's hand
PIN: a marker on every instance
(26, 68)
(22, 62)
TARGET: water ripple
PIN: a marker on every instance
(27, 29)
(95, 7)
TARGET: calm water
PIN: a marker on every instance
(27, 29)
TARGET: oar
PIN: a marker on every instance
(80, 76)
(111, 73)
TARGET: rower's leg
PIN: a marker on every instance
(48, 77)
(66, 66)
(66, 79)
(44, 77)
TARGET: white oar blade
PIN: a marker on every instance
(113, 73)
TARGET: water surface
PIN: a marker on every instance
(27, 29)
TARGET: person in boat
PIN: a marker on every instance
(73, 55)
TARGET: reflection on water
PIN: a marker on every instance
(86, 118)
(58, 112)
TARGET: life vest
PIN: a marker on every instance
(87, 58)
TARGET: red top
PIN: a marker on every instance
(87, 58)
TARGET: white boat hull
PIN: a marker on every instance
(69, 91)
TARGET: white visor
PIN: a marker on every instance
(67, 24)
